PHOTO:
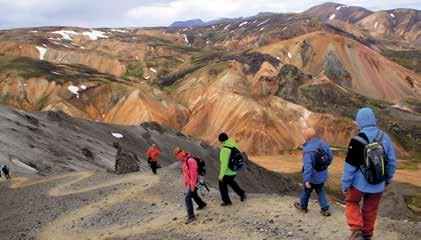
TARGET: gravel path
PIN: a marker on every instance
(100, 205)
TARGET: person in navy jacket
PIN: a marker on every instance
(313, 179)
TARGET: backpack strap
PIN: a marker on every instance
(360, 139)
(187, 160)
(379, 136)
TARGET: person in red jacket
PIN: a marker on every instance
(191, 176)
(153, 155)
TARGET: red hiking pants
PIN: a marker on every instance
(361, 218)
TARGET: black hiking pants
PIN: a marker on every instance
(189, 203)
(154, 166)
(223, 188)
(6, 174)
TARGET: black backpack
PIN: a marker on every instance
(236, 161)
(373, 167)
(201, 165)
(321, 161)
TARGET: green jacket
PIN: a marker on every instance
(224, 157)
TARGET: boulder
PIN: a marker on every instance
(126, 161)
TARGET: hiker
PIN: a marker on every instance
(369, 166)
(153, 155)
(5, 169)
(317, 156)
(191, 171)
(231, 162)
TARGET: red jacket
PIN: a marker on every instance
(153, 154)
(190, 171)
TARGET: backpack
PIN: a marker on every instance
(201, 165)
(373, 167)
(236, 160)
(321, 161)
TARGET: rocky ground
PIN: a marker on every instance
(101, 205)
(63, 187)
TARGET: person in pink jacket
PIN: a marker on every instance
(191, 176)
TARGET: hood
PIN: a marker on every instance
(365, 118)
(230, 143)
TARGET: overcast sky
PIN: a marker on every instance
(146, 13)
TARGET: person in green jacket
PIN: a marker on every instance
(226, 175)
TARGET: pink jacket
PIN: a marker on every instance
(190, 172)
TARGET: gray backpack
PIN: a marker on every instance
(375, 161)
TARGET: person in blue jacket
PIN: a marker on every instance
(314, 179)
(361, 219)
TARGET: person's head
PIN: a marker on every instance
(309, 133)
(365, 118)
(179, 153)
(222, 137)
(154, 145)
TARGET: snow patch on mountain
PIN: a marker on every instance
(118, 30)
(186, 39)
(42, 52)
(74, 90)
(243, 23)
(66, 34)
(94, 34)
(117, 135)
(260, 24)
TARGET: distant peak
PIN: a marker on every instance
(188, 23)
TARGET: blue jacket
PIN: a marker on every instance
(309, 154)
(367, 124)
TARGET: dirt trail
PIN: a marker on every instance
(146, 206)
(59, 228)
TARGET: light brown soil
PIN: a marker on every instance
(292, 163)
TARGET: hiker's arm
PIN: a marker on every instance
(349, 170)
(224, 156)
(308, 166)
(391, 159)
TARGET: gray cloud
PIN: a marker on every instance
(132, 13)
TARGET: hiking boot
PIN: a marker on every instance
(225, 204)
(366, 237)
(201, 207)
(325, 213)
(356, 235)
(297, 205)
(244, 197)
(190, 220)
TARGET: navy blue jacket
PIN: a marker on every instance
(309, 155)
